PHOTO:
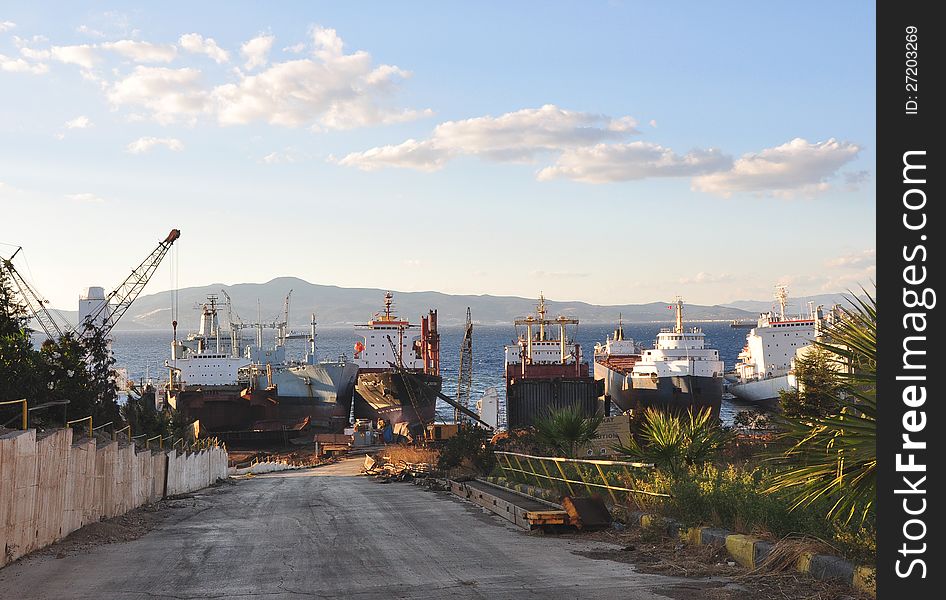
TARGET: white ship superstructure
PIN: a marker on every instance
(614, 361)
(200, 359)
(765, 363)
(680, 371)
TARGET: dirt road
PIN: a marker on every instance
(328, 533)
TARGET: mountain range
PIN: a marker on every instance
(337, 306)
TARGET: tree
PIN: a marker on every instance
(818, 385)
(673, 443)
(833, 458)
(20, 376)
(566, 430)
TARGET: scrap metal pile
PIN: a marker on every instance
(385, 471)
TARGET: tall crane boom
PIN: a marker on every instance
(465, 376)
(119, 300)
(35, 303)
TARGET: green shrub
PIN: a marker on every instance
(470, 447)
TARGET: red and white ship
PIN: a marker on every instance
(399, 369)
(545, 372)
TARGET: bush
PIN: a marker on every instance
(470, 447)
(674, 443)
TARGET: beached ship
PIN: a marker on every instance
(679, 372)
(256, 393)
(765, 363)
(614, 361)
(545, 371)
(399, 370)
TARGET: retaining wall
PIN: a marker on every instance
(49, 487)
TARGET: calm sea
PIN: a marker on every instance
(143, 353)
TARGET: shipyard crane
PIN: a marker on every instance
(465, 376)
(107, 314)
(35, 303)
(119, 300)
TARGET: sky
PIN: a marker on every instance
(610, 152)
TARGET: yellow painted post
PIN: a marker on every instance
(582, 476)
(534, 474)
(565, 477)
(607, 483)
(547, 474)
(24, 420)
(89, 419)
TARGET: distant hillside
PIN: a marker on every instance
(797, 305)
(337, 306)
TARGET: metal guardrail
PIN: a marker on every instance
(24, 419)
(587, 477)
(74, 421)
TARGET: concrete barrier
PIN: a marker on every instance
(49, 487)
(264, 467)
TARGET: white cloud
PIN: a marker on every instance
(6, 26)
(288, 155)
(196, 43)
(18, 65)
(86, 198)
(796, 168)
(80, 122)
(652, 123)
(856, 260)
(145, 52)
(603, 163)
(518, 136)
(144, 144)
(704, 277)
(256, 51)
(412, 154)
(34, 54)
(295, 48)
(332, 91)
(170, 94)
(81, 54)
(89, 31)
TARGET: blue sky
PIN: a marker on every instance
(611, 152)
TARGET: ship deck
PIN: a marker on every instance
(621, 364)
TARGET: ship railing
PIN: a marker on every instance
(565, 475)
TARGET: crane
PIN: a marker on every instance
(35, 303)
(465, 376)
(107, 314)
(120, 299)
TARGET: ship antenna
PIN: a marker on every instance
(541, 310)
(388, 300)
(619, 334)
(781, 295)
(679, 324)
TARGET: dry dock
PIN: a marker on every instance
(328, 533)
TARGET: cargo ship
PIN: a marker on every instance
(256, 394)
(614, 361)
(398, 370)
(544, 372)
(765, 363)
(680, 372)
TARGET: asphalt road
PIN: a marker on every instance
(327, 533)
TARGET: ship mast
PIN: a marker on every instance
(781, 296)
(541, 311)
(679, 325)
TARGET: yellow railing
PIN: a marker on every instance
(590, 473)
(74, 421)
(126, 428)
(25, 420)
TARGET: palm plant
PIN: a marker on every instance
(833, 458)
(566, 430)
(674, 443)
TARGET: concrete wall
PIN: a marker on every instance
(49, 487)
